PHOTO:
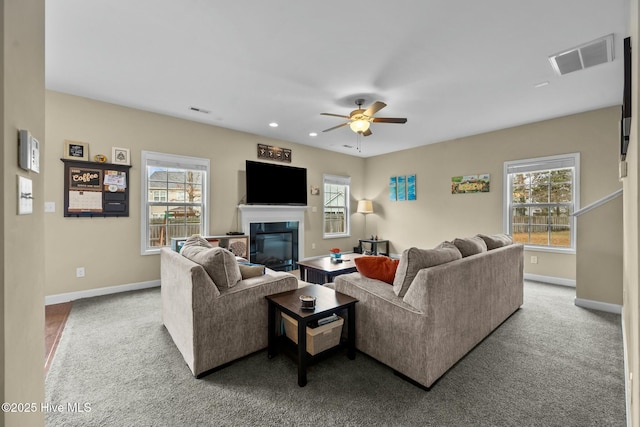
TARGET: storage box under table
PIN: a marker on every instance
(318, 339)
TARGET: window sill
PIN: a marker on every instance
(566, 251)
(335, 236)
(152, 251)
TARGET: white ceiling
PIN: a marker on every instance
(453, 68)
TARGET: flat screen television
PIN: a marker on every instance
(625, 123)
(271, 184)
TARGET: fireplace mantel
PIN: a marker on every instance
(274, 213)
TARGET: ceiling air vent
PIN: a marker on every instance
(584, 56)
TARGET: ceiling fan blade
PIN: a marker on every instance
(336, 127)
(389, 120)
(367, 132)
(334, 115)
(374, 108)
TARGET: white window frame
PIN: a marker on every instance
(337, 180)
(540, 164)
(150, 158)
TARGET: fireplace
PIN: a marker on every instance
(274, 244)
(276, 234)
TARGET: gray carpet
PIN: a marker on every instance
(550, 364)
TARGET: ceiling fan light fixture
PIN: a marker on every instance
(360, 126)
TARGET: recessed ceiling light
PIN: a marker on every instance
(313, 134)
(541, 84)
(273, 124)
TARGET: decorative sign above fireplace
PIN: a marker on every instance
(270, 152)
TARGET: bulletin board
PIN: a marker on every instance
(95, 189)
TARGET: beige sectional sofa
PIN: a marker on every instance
(215, 322)
(433, 315)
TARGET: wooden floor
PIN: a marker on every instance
(55, 317)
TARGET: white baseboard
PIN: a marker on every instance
(627, 390)
(580, 302)
(597, 305)
(550, 279)
(72, 296)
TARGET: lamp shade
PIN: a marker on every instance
(365, 207)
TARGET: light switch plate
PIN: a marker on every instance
(49, 207)
(25, 196)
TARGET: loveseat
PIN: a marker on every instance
(441, 304)
(214, 312)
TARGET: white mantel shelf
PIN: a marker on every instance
(274, 213)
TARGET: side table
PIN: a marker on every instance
(328, 302)
(374, 246)
(323, 270)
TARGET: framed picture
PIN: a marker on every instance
(402, 188)
(393, 183)
(411, 187)
(470, 184)
(120, 156)
(76, 150)
(274, 153)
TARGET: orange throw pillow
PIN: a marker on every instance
(377, 267)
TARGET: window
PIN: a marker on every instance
(336, 206)
(174, 198)
(540, 196)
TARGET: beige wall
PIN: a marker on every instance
(631, 276)
(22, 253)
(438, 215)
(109, 248)
(599, 259)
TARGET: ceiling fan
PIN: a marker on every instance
(359, 120)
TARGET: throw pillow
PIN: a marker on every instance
(413, 260)
(196, 240)
(377, 267)
(219, 263)
(496, 241)
(249, 270)
(470, 246)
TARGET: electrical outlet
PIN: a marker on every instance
(313, 246)
(314, 209)
(534, 259)
(49, 206)
(80, 272)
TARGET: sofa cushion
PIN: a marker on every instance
(496, 241)
(219, 263)
(196, 240)
(413, 260)
(470, 245)
(249, 270)
(377, 267)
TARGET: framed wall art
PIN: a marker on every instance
(76, 150)
(402, 187)
(120, 156)
(393, 184)
(274, 153)
(411, 187)
(470, 184)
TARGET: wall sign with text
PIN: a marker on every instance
(270, 152)
(95, 189)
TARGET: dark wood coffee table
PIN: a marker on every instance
(328, 302)
(323, 270)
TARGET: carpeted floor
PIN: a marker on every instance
(550, 364)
